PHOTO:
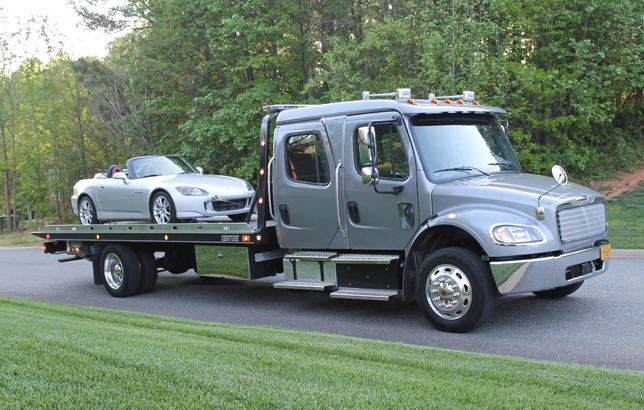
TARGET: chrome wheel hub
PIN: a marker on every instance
(113, 271)
(448, 292)
(85, 213)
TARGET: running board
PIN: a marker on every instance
(303, 285)
(364, 294)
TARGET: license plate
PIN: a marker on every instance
(605, 252)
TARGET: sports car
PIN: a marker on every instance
(164, 189)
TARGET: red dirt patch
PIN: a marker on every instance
(625, 181)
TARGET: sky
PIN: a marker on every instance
(63, 23)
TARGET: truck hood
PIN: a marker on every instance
(515, 191)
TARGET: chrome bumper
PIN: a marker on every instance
(532, 275)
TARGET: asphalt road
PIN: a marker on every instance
(602, 324)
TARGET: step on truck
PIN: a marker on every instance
(379, 198)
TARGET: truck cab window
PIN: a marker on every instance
(390, 154)
(306, 159)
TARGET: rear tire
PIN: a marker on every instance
(454, 290)
(87, 211)
(559, 292)
(121, 270)
(149, 271)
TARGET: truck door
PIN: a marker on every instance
(381, 215)
(305, 196)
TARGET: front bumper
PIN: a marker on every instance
(532, 275)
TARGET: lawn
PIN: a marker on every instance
(626, 219)
(62, 356)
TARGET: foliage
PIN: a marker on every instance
(56, 355)
(625, 219)
(191, 77)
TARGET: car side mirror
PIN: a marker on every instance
(120, 175)
(199, 170)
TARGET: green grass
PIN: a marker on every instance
(62, 356)
(626, 219)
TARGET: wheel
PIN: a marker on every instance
(455, 290)
(121, 270)
(162, 209)
(87, 211)
(238, 217)
(149, 271)
(559, 292)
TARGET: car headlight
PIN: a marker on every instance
(248, 186)
(190, 190)
(516, 235)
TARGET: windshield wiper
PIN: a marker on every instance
(463, 169)
(504, 164)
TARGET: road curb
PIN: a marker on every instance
(628, 254)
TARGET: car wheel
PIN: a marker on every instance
(455, 290)
(559, 292)
(121, 270)
(87, 211)
(162, 209)
(238, 217)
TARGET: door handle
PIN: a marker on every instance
(354, 215)
(286, 219)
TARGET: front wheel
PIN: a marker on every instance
(162, 209)
(455, 290)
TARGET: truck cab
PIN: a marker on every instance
(425, 199)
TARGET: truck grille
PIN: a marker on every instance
(229, 205)
(581, 222)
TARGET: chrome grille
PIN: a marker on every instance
(581, 222)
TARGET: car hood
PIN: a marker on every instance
(523, 192)
(221, 183)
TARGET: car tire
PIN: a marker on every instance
(87, 211)
(454, 290)
(560, 292)
(238, 217)
(162, 209)
(121, 270)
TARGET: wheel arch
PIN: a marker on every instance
(430, 240)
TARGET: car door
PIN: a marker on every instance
(123, 199)
(304, 185)
(381, 215)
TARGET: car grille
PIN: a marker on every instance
(229, 205)
(581, 222)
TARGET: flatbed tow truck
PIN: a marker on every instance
(377, 199)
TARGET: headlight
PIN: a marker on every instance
(516, 235)
(190, 190)
(248, 186)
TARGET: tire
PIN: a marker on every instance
(121, 270)
(559, 292)
(454, 290)
(162, 209)
(87, 211)
(238, 217)
(149, 271)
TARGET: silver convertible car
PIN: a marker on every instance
(164, 189)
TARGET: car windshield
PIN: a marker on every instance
(164, 165)
(454, 146)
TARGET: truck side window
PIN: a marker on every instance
(306, 159)
(392, 161)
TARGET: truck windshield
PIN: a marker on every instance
(454, 146)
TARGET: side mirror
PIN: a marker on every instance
(559, 174)
(199, 170)
(121, 176)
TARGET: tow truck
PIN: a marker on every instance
(379, 198)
